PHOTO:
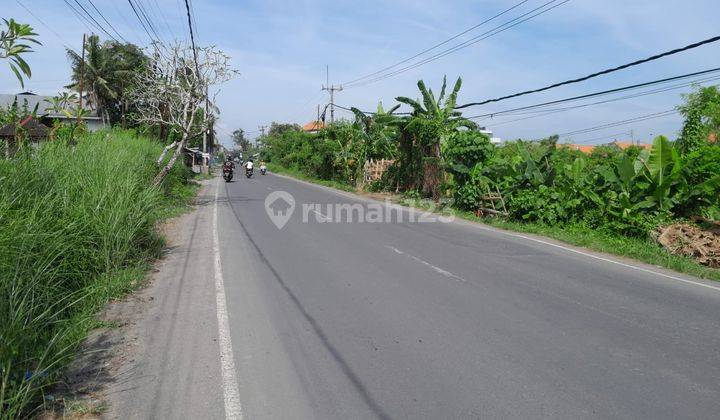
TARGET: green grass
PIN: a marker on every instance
(77, 228)
(296, 173)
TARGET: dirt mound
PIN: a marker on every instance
(691, 241)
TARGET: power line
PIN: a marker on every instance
(57, 35)
(492, 32)
(102, 28)
(137, 15)
(144, 13)
(623, 122)
(596, 74)
(106, 21)
(596, 94)
(192, 37)
(439, 44)
(84, 20)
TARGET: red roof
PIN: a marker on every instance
(313, 126)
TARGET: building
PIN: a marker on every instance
(45, 112)
(29, 126)
(489, 133)
(313, 127)
(588, 148)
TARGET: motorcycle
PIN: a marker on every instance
(248, 172)
(227, 173)
(263, 170)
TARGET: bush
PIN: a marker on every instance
(76, 227)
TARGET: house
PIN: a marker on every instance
(30, 127)
(42, 105)
(493, 140)
(587, 148)
(313, 126)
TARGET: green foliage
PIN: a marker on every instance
(465, 154)
(15, 41)
(108, 74)
(77, 227)
(702, 118)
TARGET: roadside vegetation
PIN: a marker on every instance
(622, 198)
(77, 228)
(79, 211)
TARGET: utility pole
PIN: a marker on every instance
(82, 79)
(332, 89)
(632, 137)
(205, 132)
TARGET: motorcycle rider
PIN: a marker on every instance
(263, 168)
(249, 164)
(229, 164)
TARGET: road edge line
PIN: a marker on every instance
(231, 392)
(480, 226)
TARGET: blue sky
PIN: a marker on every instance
(281, 49)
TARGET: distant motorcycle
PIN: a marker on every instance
(248, 172)
(263, 170)
(227, 173)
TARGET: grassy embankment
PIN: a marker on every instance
(77, 228)
(596, 240)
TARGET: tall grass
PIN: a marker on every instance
(77, 227)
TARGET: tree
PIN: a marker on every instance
(108, 70)
(238, 137)
(172, 91)
(14, 42)
(278, 129)
(702, 118)
(425, 130)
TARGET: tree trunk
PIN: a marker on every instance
(166, 169)
(432, 173)
(164, 152)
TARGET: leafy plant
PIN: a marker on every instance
(15, 41)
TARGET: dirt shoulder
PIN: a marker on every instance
(148, 340)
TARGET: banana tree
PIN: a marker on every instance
(429, 126)
(15, 40)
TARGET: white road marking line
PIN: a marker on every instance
(421, 261)
(634, 267)
(503, 232)
(231, 392)
(322, 216)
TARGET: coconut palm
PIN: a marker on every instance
(107, 69)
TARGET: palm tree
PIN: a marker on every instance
(108, 68)
(423, 133)
(13, 50)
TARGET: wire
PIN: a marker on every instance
(623, 122)
(609, 136)
(192, 37)
(601, 93)
(599, 73)
(440, 44)
(102, 28)
(144, 13)
(57, 35)
(106, 21)
(137, 15)
(495, 31)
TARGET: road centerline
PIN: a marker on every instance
(427, 264)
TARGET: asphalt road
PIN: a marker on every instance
(432, 321)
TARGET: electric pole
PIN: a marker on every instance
(332, 89)
(82, 79)
(206, 159)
